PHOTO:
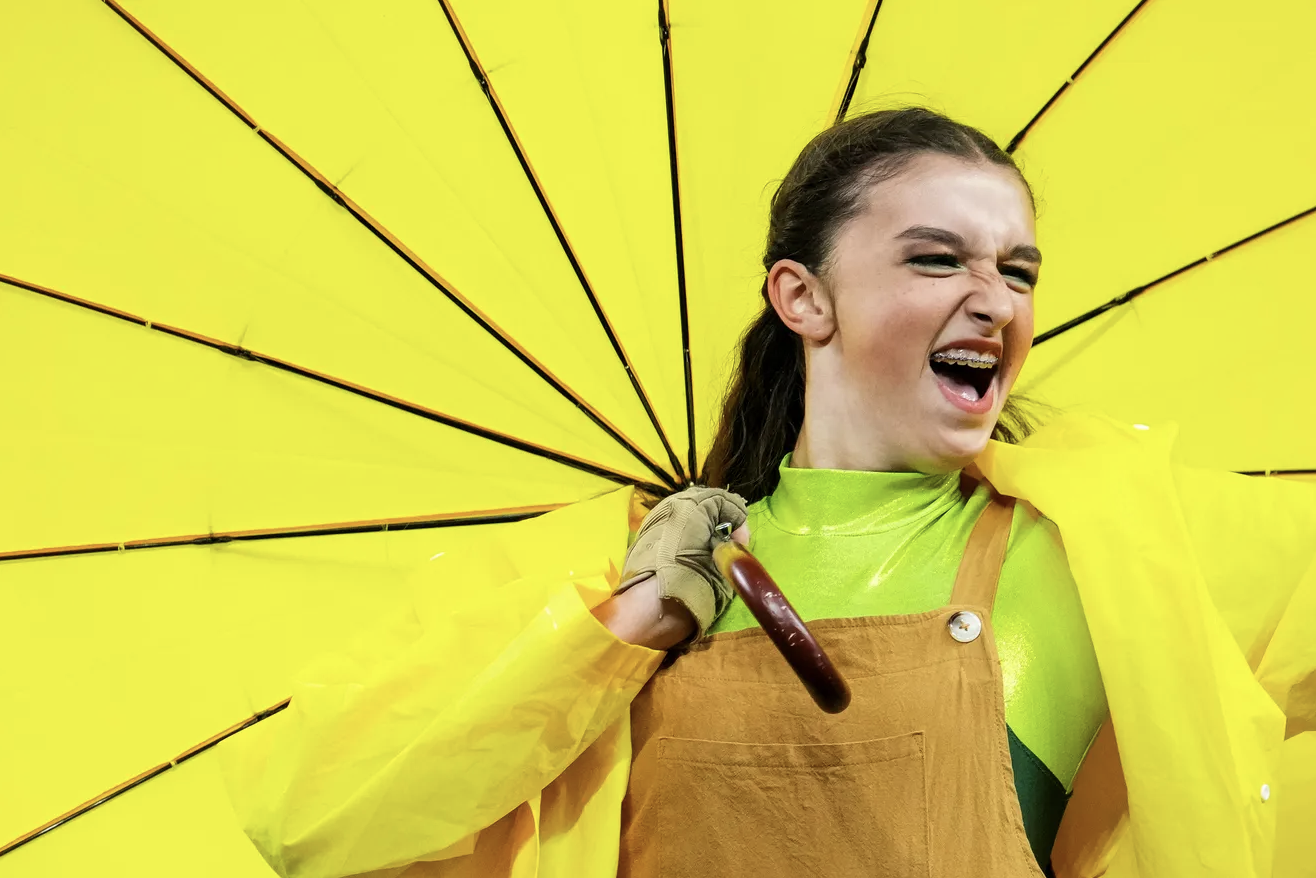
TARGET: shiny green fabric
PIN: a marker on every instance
(1042, 799)
(846, 544)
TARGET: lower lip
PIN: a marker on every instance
(972, 406)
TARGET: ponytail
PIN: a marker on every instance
(763, 412)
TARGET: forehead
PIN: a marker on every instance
(984, 203)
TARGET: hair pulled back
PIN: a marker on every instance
(764, 407)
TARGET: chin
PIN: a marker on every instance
(956, 450)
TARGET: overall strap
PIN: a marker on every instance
(980, 568)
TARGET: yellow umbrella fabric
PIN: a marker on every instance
(295, 294)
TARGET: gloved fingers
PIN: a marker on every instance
(682, 529)
(723, 506)
(699, 525)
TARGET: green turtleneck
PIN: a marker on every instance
(845, 543)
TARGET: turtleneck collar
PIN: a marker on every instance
(838, 502)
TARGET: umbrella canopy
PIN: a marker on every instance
(295, 294)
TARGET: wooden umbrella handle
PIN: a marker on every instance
(782, 624)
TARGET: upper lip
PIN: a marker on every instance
(981, 345)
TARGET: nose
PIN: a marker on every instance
(991, 303)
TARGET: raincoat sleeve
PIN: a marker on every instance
(432, 727)
(1255, 541)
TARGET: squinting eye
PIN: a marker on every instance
(1020, 274)
(936, 260)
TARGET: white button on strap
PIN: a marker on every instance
(1265, 792)
(965, 626)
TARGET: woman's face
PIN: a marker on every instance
(931, 298)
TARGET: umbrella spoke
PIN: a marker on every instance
(860, 59)
(1018, 138)
(398, 247)
(477, 69)
(1138, 291)
(418, 522)
(669, 87)
(350, 387)
(134, 782)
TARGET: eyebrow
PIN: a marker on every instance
(1025, 252)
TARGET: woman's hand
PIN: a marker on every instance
(641, 615)
(671, 591)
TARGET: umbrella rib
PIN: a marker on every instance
(1018, 138)
(491, 95)
(322, 378)
(377, 525)
(393, 243)
(669, 89)
(860, 59)
(1138, 291)
(134, 782)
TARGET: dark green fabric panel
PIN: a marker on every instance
(1042, 799)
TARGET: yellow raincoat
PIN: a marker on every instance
(485, 732)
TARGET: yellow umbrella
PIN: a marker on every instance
(287, 286)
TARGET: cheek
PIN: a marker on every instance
(893, 334)
(1023, 315)
(1021, 328)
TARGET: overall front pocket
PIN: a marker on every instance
(770, 810)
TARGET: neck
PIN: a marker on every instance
(839, 433)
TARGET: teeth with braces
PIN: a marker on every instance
(963, 357)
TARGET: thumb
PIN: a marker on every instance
(741, 534)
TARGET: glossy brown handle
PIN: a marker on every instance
(783, 625)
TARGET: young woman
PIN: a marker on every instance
(500, 729)
(901, 263)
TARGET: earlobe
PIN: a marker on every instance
(801, 301)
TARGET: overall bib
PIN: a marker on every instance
(737, 772)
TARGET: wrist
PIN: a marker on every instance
(641, 616)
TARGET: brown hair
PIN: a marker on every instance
(824, 189)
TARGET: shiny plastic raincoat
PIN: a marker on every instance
(485, 731)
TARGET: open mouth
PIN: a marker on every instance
(966, 375)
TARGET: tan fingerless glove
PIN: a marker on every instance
(675, 544)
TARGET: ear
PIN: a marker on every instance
(800, 300)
